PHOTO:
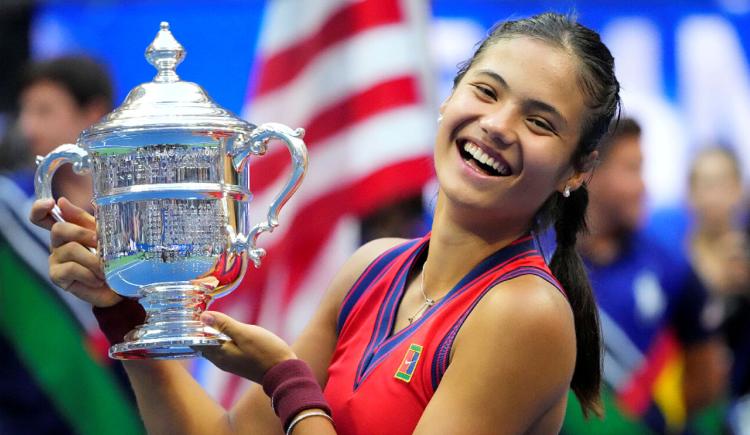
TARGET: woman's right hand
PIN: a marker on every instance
(72, 265)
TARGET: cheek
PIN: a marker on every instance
(545, 161)
(461, 107)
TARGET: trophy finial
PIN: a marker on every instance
(165, 53)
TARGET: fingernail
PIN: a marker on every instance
(208, 319)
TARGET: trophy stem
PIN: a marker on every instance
(172, 325)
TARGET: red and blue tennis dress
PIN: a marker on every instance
(381, 382)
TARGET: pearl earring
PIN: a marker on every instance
(566, 192)
(440, 118)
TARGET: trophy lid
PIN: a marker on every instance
(166, 102)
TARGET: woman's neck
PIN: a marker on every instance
(458, 243)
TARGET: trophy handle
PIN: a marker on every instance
(48, 165)
(258, 144)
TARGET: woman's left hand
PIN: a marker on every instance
(252, 351)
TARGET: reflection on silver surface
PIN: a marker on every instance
(171, 195)
(157, 164)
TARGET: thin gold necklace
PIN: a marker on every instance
(427, 301)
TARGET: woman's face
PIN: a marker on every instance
(715, 188)
(509, 129)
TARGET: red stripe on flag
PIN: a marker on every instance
(384, 96)
(348, 21)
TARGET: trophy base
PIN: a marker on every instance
(172, 325)
(167, 347)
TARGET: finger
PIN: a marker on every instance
(76, 253)
(218, 352)
(99, 296)
(222, 323)
(221, 356)
(40, 213)
(76, 215)
(65, 274)
(66, 232)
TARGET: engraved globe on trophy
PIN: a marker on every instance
(171, 193)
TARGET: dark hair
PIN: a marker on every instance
(85, 79)
(601, 91)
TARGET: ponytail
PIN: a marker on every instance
(567, 266)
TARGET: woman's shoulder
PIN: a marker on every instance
(520, 342)
(368, 253)
(355, 265)
(529, 301)
(372, 249)
(525, 318)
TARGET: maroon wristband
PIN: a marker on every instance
(119, 319)
(293, 388)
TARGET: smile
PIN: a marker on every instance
(481, 161)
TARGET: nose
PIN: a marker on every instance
(500, 125)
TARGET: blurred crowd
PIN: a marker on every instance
(672, 288)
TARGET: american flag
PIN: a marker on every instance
(353, 74)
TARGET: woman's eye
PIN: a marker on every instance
(486, 91)
(542, 124)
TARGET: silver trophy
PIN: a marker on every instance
(171, 194)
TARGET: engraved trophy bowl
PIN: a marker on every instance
(171, 196)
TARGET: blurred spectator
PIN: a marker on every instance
(14, 152)
(718, 249)
(59, 99)
(53, 378)
(719, 252)
(662, 361)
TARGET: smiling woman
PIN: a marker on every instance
(535, 99)
(465, 330)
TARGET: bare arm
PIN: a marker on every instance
(511, 366)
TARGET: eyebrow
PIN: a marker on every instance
(529, 104)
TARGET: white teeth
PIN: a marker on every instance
(485, 158)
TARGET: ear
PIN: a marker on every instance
(580, 175)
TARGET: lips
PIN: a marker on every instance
(483, 160)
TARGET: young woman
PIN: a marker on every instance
(466, 330)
